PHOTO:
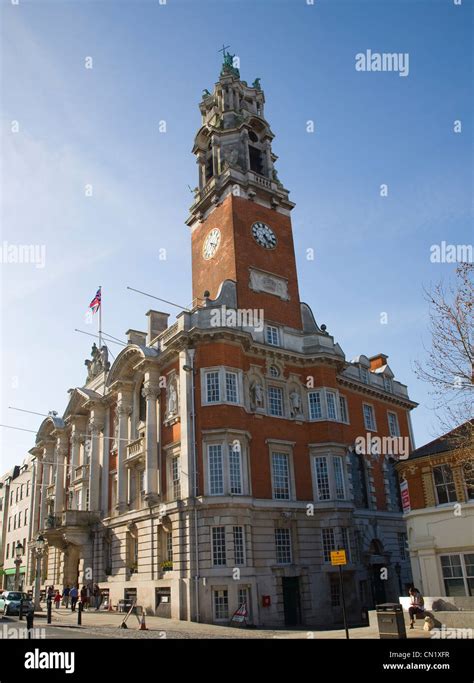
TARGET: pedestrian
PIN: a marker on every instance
(73, 594)
(57, 599)
(417, 605)
(97, 593)
(50, 594)
(84, 597)
(66, 591)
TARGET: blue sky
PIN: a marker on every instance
(100, 126)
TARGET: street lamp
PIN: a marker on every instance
(38, 548)
(18, 560)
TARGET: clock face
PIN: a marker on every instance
(264, 235)
(211, 243)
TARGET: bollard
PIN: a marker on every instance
(29, 622)
(79, 615)
(49, 604)
(20, 611)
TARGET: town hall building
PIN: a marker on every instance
(213, 463)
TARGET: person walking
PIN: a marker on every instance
(97, 593)
(73, 594)
(57, 599)
(66, 591)
(84, 597)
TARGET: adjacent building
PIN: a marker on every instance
(438, 479)
(16, 496)
(213, 463)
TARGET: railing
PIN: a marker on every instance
(81, 472)
(170, 332)
(261, 180)
(78, 517)
(135, 447)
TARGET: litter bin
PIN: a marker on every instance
(391, 621)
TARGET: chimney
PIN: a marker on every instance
(136, 337)
(378, 361)
(157, 323)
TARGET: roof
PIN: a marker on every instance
(442, 444)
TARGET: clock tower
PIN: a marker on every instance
(242, 241)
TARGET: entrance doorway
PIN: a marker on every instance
(291, 600)
(378, 585)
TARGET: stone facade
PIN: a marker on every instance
(214, 463)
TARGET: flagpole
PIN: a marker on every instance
(100, 318)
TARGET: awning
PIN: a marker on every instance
(12, 571)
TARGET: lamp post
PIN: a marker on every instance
(38, 549)
(18, 560)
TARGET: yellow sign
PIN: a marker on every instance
(338, 557)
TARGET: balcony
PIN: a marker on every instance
(70, 526)
(81, 474)
(50, 491)
(135, 452)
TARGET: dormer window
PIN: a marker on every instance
(272, 335)
(387, 384)
(363, 374)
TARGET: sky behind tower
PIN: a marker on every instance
(67, 127)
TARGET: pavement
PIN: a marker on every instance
(106, 625)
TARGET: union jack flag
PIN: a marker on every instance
(96, 301)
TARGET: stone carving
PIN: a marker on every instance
(228, 65)
(256, 395)
(172, 406)
(231, 156)
(98, 363)
(271, 284)
(256, 84)
(295, 404)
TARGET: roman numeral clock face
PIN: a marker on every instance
(211, 243)
(264, 235)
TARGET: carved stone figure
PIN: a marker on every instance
(98, 363)
(295, 404)
(256, 395)
(172, 398)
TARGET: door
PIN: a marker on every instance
(378, 585)
(291, 600)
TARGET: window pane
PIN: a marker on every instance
(216, 474)
(322, 478)
(328, 543)
(444, 484)
(218, 545)
(343, 408)
(231, 387)
(339, 477)
(212, 387)
(239, 551)
(393, 425)
(369, 418)
(331, 403)
(235, 470)
(281, 476)
(315, 410)
(364, 375)
(469, 562)
(283, 546)
(221, 605)
(275, 401)
(272, 335)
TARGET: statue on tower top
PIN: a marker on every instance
(229, 64)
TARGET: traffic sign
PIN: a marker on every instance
(338, 557)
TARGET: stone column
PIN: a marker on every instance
(124, 408)
(150, 392)
(48, 458)
(60, 484)
(96, 425)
